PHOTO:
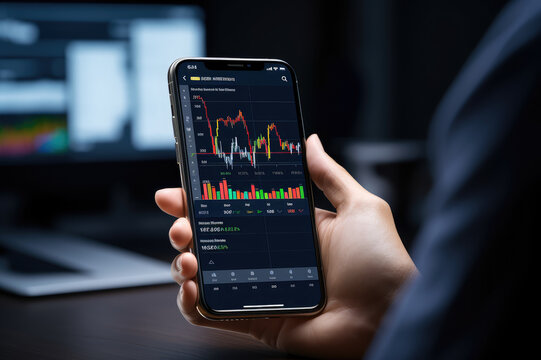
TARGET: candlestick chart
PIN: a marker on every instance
(231, 139)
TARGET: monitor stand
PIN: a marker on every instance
(71, 264)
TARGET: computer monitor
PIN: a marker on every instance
(84, 86)
(87, 82)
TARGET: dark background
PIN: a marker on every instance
(371, 71)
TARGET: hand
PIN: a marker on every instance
(364, 264)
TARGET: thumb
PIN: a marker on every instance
(331, 178)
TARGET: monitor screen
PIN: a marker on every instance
(88, 82)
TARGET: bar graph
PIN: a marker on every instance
(223, 191)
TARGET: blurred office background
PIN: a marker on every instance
(85, 127)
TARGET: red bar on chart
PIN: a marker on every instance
(253, 191)
(274, 194)
(205, 195)
(226, 192)
(222, 190)
(238, 194)
(286, 196)
(249, 195)
(214, 193)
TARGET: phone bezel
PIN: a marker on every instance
(237, 64)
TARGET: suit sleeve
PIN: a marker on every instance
(475, 250)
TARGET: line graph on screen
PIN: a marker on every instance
(230, 138)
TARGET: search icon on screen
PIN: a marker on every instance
(284, 78)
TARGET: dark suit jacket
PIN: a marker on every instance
(478, 286)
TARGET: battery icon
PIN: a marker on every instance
(195, 78)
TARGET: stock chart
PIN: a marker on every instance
(243, 133)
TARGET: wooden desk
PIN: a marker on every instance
(140, 323)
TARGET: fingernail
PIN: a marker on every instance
(318, 141)
(173, 243)
(178, 264)
(159, 191)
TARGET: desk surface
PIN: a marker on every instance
(140, 323)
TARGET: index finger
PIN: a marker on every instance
(171, 201)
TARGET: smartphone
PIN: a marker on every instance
(240, 148)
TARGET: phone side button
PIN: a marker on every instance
(177, 151)
(175, 131)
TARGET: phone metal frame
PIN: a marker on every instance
(180, 149)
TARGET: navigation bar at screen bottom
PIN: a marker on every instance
(259, 275)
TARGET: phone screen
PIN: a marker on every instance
(251, 202)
